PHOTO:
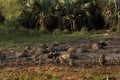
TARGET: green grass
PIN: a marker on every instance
(11, 38)
(37, 74)
(28, 76)
(94, 77)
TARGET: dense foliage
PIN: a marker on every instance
(52, 14)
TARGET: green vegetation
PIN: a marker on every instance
(36, 74)
(27, 13)
(28, 76)
(94, 77)
(11, 38)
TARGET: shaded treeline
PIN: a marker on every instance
(90, 14)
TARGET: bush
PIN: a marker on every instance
(66, 31)
(84, 30)
(43, 30)
(57, 32)
(12, 23)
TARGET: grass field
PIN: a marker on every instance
(11, 38)
(60, 73)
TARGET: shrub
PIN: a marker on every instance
(66, 31)
(57, 32)
(84, 30)
(43, 30)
